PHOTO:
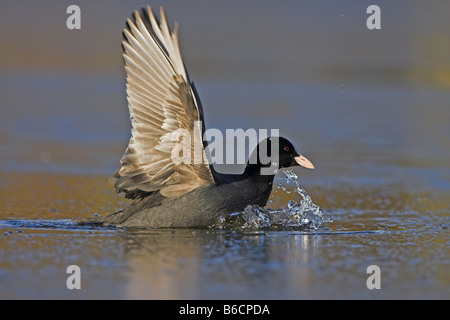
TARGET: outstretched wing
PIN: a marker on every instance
(161, 101)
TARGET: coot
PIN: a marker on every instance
(162, 101)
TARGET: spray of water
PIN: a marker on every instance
(300, 215)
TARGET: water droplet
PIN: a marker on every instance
(303, 213)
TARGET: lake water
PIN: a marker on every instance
(370, 108)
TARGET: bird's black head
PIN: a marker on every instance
(268, 162)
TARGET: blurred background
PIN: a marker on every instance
(364, 105)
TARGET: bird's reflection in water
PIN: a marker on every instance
(186, 264)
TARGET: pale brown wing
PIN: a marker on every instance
(161, 101)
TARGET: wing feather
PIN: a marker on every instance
(160, 100)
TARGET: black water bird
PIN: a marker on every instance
(162, 100)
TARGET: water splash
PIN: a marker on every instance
(303, 215)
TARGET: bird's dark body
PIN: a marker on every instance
(199, 208)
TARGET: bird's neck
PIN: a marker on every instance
(254, 171)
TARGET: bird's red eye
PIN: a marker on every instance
(286, 148)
